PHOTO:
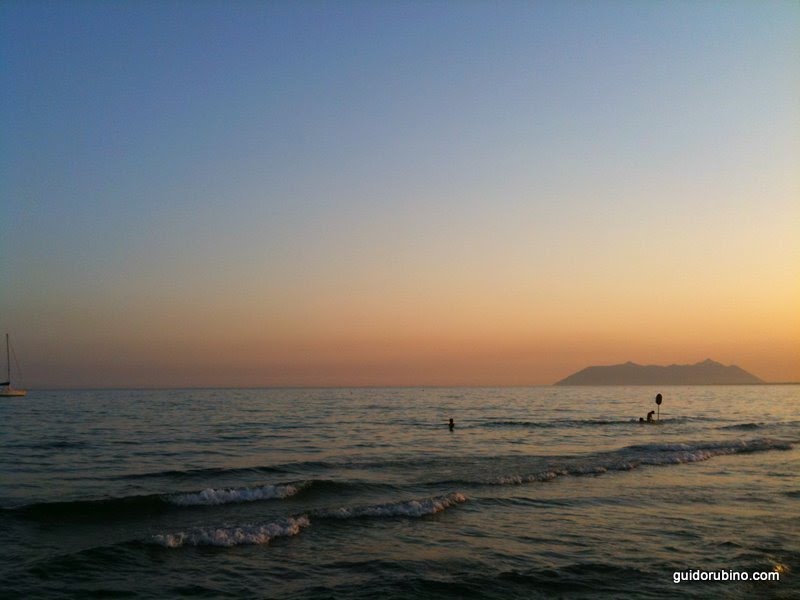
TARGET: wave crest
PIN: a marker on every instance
(213, 496)
(650, 455)
(408, 508)
(233, 536)
(712, 448)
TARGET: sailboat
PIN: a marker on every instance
(5, 387)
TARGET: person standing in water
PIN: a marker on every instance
(451, 425)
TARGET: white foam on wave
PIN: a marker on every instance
(537, 477)
(408, 508)
(652, 455)
(212, 496)
(233, 536)
(670, 454)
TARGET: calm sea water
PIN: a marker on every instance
(365, 493)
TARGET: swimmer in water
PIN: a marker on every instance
(650, 416)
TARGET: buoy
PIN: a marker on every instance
(658, 404)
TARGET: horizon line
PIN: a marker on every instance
(390, 386)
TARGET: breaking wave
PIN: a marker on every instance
(262, 534)
(214, 497)
(408, 508)
(233, 536)
(632, 457)
(95, 510)
(704, 450)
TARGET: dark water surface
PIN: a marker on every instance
(364, 493)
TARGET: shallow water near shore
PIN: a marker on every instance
(360, 493)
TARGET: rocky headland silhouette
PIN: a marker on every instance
(708, 372)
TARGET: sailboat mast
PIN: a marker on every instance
(5, 386)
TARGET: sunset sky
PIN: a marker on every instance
(409, 193)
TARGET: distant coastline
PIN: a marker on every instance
(708, 372)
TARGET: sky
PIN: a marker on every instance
(366, 193)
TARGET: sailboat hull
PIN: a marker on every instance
(11, 392)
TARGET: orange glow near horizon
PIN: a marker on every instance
(443, 326)
(375, 353)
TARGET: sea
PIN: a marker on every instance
(540, 492)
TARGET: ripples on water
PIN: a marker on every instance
(538, 492)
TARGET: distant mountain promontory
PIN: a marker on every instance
(707, 372)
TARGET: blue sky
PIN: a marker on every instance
(336, 177)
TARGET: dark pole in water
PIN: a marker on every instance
(658, 407)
